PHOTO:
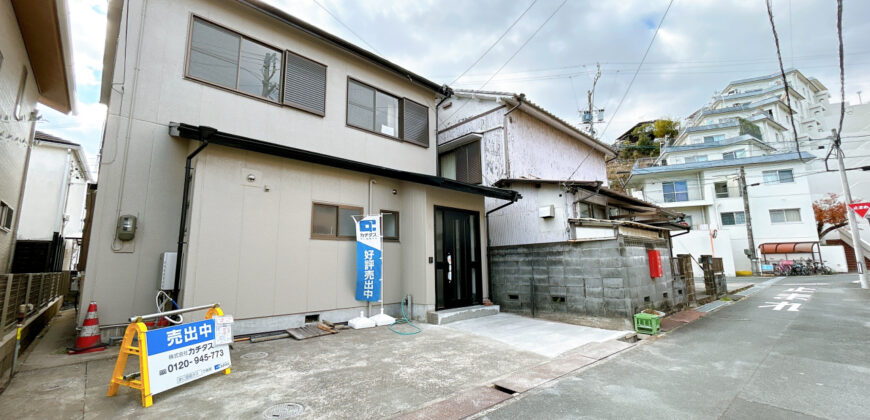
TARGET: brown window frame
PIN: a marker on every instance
(398, 232)
(187, 75)
(338, 207)
(401, 112)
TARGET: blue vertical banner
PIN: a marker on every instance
(369, 261)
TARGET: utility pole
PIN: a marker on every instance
(753, 257)
(853, 223)
(860, 102)
(589, 115)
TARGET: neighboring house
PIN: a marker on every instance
(290, 131)
(584, 244)
(35, 66)
(746, 127)
(53, 211)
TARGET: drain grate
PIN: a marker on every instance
(284, 411)
(255, 355)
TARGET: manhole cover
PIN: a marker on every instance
(255, 355)
(283, 411)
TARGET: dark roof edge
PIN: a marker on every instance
(192, 132)
(329, 38)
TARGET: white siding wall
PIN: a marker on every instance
(14, 135)
(45, 194)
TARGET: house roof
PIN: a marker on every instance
(220, 138)
(602, 190)
(514, 99)
(753, 160)
(746, 107)
(44, 27)
(625, 135)
(114, 18)
(744, 138)
(76, 148)
(762, 91)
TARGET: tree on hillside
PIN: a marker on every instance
(641, 141)
(830, 214)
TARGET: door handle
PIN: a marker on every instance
(449, 268)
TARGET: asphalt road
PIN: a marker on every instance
(798, 348)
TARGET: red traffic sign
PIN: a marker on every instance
(860, 208)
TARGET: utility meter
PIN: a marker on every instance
(126, 227)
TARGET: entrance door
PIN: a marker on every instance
(458, 279)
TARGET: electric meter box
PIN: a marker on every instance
(167, 270)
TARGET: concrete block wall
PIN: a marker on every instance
(602, 283)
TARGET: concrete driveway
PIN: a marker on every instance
(356, 374)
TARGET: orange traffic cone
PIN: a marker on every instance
(89, 336)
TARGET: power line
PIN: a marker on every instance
(494, 43)
(782, 72)
(513, 55)
(619, 105)
(346, 27)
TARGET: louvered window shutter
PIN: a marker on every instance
(474, 175)
(415, 123)
(305, 84)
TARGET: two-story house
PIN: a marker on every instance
(53, 209)
(245, 140)
(572, 248)
(746, 128)
(35, 67)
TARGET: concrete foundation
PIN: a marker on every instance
(447, 316)
(598, 283)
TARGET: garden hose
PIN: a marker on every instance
(404, 320)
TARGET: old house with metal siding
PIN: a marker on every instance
(279, 164)
(571, 249)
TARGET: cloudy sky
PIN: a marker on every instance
(701, 46)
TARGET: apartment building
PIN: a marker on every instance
(746, 128)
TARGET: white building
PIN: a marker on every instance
(749, 127)
(53, 210)
(35, 66)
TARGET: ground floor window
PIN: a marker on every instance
(331, 221)
(391, 225)
(733, 218)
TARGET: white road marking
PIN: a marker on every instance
(778, 306)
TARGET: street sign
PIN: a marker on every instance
(369, 245)
(860, 208)
(183, 353)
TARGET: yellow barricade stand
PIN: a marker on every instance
(137, 330)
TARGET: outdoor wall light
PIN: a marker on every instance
(252, 177)
(395, 191)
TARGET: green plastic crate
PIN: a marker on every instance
(647, 323)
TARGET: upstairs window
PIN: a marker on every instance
(733, 218)
(721, 189)
(675, 191)
(304, 84)
(390, 225)
(778, 177)
(374, 110)
(230, 60)
(711, 139)
(693, 159)
(462, 164)
(737, 154)
(785, 215)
